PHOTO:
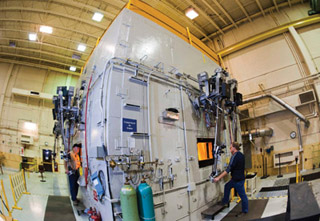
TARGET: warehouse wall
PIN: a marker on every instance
(268, 67)
(16, 109)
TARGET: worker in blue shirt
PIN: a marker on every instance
(236, 167)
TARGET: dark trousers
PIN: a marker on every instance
(239, 186)
(74, 186)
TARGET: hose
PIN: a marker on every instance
(85, 129)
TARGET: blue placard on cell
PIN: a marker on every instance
(129, 125)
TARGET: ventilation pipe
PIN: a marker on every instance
(258, 132)
(283, 104)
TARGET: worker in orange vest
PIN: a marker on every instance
(72, 164)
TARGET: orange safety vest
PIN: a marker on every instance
(75, 161)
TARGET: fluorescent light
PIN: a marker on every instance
(30, 126)
(191, 13)
(97, 16)
(46, 29)
(32, 36)
(72, 68)
(81, 47)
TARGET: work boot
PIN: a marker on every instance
(241, 214)
(75, 203)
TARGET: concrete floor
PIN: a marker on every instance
(34, 205)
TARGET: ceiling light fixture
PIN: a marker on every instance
(32, 36)
(97, 16)
(81, 47)
(72, 68)
(191, 13)
(46, 29)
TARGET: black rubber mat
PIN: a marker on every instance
(59, 208)
(308, 177)
(256, 209)
(302, 203)
(273, 188)
(279, 217)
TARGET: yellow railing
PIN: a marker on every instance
(18, 187)
(4, 200)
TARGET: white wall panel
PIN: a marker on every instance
(3, 73)
(310, 36)
(29, 78)
(269, 62)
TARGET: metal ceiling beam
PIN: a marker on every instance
(204, 15)
(42, 52)
(53, 26)
(243, 10)
(189, 22)
(90, 8)
(260, 7)
(214, 11)
(276, 5)
(39, 66)
(289, 1)
(53, 36)
(268, 34)
(46, 44)
(58, 14)
(115, 4)
(284, 4)
(39, 59)
(224, 12)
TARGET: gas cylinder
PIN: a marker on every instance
(145, 201)
(128, 200)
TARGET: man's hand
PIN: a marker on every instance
(67, 171)
(216, 179)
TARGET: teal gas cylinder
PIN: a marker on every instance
(145, 201)
(128, 200)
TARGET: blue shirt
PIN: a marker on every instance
(236, 166)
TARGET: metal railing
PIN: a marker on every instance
(18, 187)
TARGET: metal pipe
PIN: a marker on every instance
(258, 132)
(149, 121)
(299, 134)
(185, 148)
(300, 143)
(283, 104)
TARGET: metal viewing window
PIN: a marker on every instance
(204, 147)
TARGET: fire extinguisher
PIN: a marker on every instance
(93, 214)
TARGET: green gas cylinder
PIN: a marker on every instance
(128, 200)
(145, 202)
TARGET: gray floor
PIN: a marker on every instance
(34, 205)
